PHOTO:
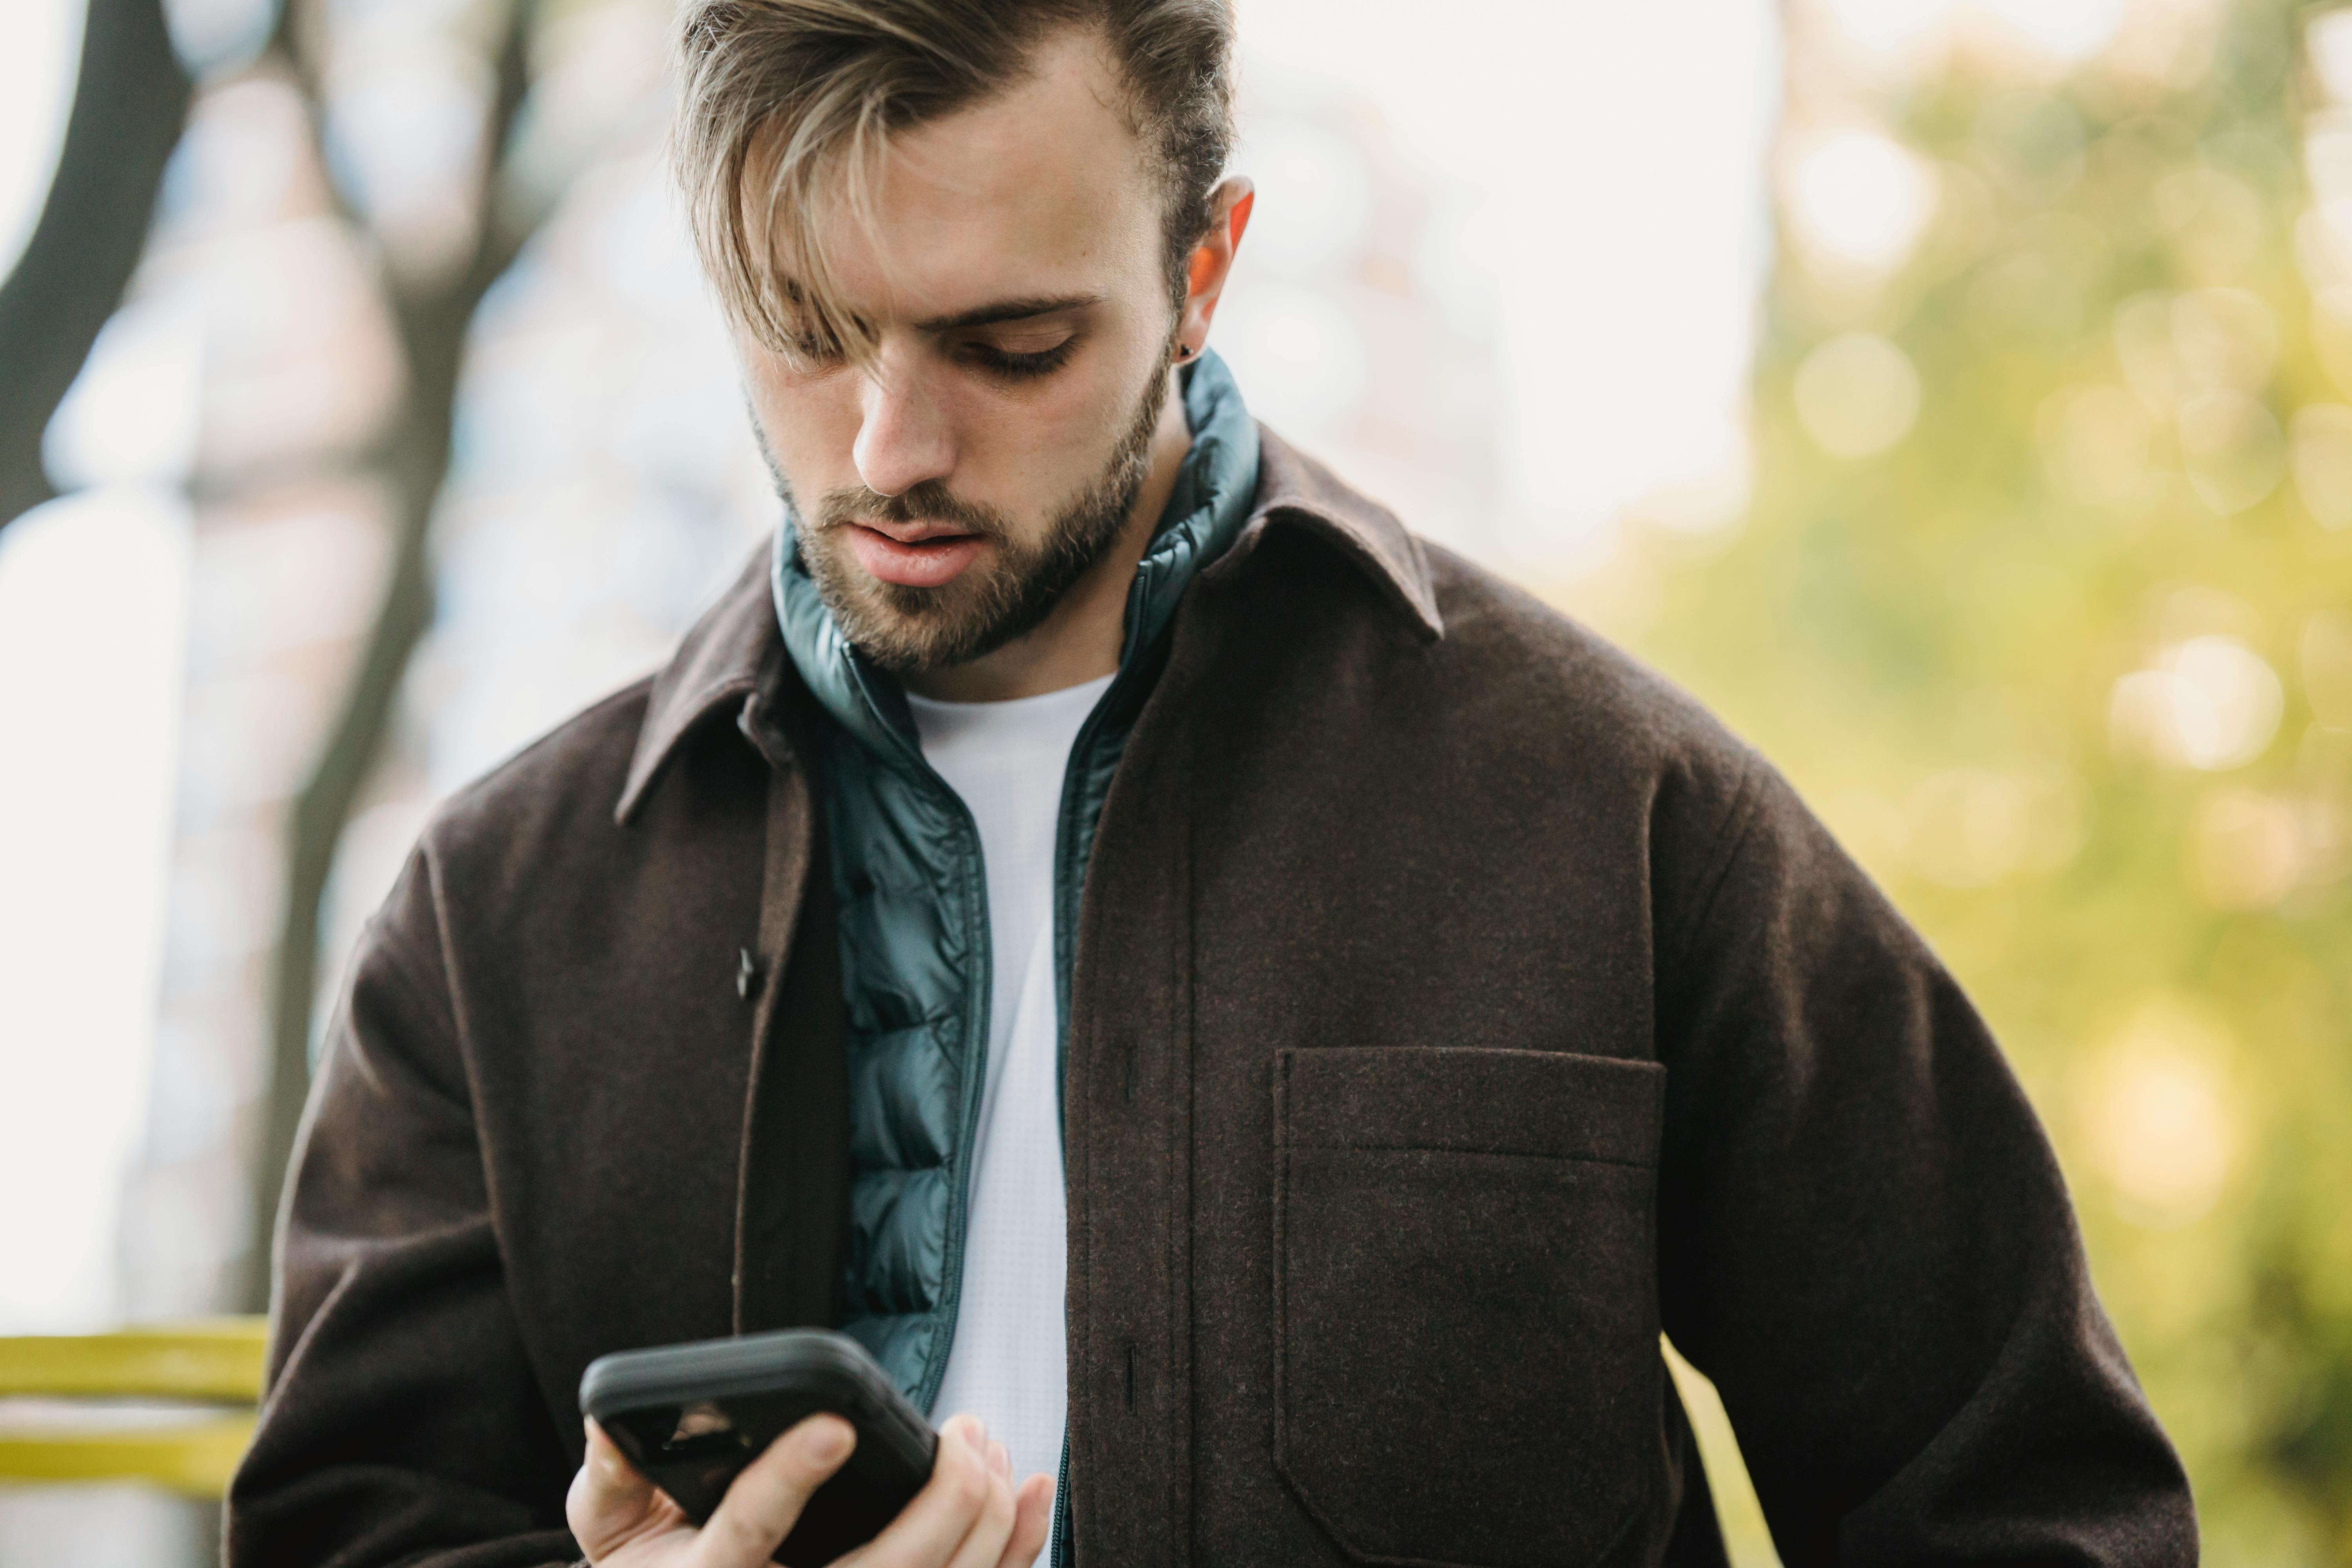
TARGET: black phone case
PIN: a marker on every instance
(692, 1416)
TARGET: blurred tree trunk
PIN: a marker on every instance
(432, 316)
(130, 101)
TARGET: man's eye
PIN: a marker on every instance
(1021, 366)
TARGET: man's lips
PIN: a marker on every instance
(913, 555)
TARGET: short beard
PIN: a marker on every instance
(910, 631)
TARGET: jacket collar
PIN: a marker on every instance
(727, 655)
(1293, 488)
(737, 649)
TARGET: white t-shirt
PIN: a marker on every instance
(1006, 1365)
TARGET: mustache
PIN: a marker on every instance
(930, 502)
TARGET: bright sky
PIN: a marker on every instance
(36, 73)
(93, 595)
(1620, 150)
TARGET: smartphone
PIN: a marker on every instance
(690, 1417)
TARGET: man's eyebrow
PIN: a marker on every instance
(1007, 310)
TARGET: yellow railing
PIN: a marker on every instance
(1746, 1542)
(85, 1408)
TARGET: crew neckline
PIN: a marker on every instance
(1090, 690)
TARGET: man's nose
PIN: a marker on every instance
(904, 435)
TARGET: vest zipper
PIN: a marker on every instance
(981, 995)
(1057, 1540)
(975, 1084)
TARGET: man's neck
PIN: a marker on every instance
(1080, 640)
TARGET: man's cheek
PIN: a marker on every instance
(1064, 442)
(812, 432)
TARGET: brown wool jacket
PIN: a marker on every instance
(1455, 1006)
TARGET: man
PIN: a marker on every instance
(1265, 1021)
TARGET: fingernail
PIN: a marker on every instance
(825, 1442)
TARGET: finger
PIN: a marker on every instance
(1032, 1517)
(931, 1529)
(1000, 1463)
(610, 1503)
(984, 1544)
(764, 1501)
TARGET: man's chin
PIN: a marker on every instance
(917, 631)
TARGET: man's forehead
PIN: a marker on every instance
(1037, 194)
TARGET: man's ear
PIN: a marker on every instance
(1213, 261)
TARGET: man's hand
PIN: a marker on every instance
(967, 1516)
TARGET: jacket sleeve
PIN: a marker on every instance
(1865, 1240)
(401, 1422)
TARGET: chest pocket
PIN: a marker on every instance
(1465, 1302)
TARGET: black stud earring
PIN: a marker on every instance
(1186, 356)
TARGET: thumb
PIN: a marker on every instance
(764, 1501)
(611, 1502)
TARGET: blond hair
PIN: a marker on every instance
(785, 106)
